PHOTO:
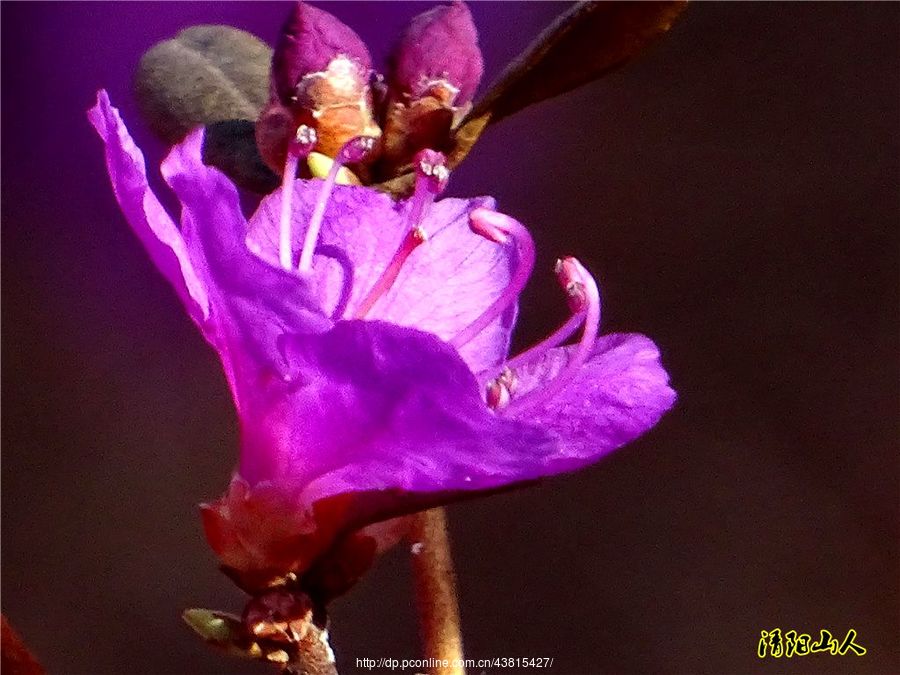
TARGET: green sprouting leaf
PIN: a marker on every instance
(224, 631)
(205, 74)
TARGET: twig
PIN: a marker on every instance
(435, 584)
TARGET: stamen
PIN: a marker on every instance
(432, 175)
(300, 146)
(499, 228)
(566, 275)
(353, 151)
(582, 289)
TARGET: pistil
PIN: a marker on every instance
(353, 151)
(300, 146)
(501, 229)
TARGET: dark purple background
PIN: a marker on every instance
(736, 190)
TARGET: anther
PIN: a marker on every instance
(500, 228)
(304, 140)
(356, 149)
(499, 391)
(570, 279)
(431, 165)
(300, 146)
(488, 225)
(497, 395)
(432, 176)
(352, 151)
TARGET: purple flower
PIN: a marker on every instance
(365, 342)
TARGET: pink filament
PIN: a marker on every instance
(422, 199)
(300, 146)
(353, 150)
(582, 351)
(409, 244)
(535, 352)
(287, 194)
(499, 228)
(431, 179)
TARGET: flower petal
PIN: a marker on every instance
(446, 283)
(370, 421)
(375, 406)
(374, 421)
(147, 217)
(252, 302)
(450, 280)
(620, 393)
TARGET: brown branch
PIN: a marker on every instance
(435, 585)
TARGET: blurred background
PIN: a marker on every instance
(736, 191)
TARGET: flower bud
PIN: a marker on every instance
(435, 71)
(310, 39)
(438, 56)
(320, 77)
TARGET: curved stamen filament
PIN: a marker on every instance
(431, 179)
(353, 150)
(300, 146)
(499, 228)
(582, 288)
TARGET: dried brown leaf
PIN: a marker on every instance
(583, 44)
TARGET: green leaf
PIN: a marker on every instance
(230, 146)
(583, 44)
(205, 74)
